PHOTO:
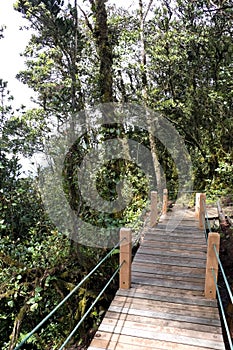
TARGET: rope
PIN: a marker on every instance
(68, 296)
(90, 308)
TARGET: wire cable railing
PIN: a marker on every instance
(223, 274)
(75, 289)
(223, 312)
(29, 335)
(90, 308)
(206, 219)
(140, 220)
(113, 250)
(207, 229)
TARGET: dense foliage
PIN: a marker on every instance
(174, 57)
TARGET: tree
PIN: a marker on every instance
(104, 50)
(174, 58)
(54, 55)
(186, 57)
(37, 267)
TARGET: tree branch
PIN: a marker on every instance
(147, 10)
(86, 19)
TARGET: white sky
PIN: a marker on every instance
(14, 42)
(11, 46)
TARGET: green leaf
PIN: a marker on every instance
(10, 303)
(34, 307)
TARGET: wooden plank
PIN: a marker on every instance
(168, 269)
(173, 245)
(165, 315)
(175, 239)
(137, 328)
(170, 291)
(178, 309)
(202, 248)
(172, 253)
(129, 341)
(172, 298)
(120, 346)
(185, 231)
(186, 262)
(189, 225)
(165, 308)
(162, 273)
(206, 329)
(162, 283)
(101, 340)
(169, 277)
(154, 304)
(163, 266)
(161, 255)
(188, 229)
(172, 338)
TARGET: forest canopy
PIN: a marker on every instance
(174, 58)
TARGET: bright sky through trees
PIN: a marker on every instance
(11, 46)
(14, 43)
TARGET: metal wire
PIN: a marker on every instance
(224, 275)
(68, 296)
(182, 191)
(222, 311)
(219, 208)
(138, 236)
(206, 216)
(204, 225)
(215, 280)
(90, 308)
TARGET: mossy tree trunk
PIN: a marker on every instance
(104, 50)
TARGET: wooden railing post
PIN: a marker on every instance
(200, 209)
(212, 265)
(125, 257)
(165, 201)
(197, 205)
(153, 209)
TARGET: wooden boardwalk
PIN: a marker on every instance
(165, 309)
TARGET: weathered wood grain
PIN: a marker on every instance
(165, 308)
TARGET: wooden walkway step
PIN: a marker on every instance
(165, 309)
